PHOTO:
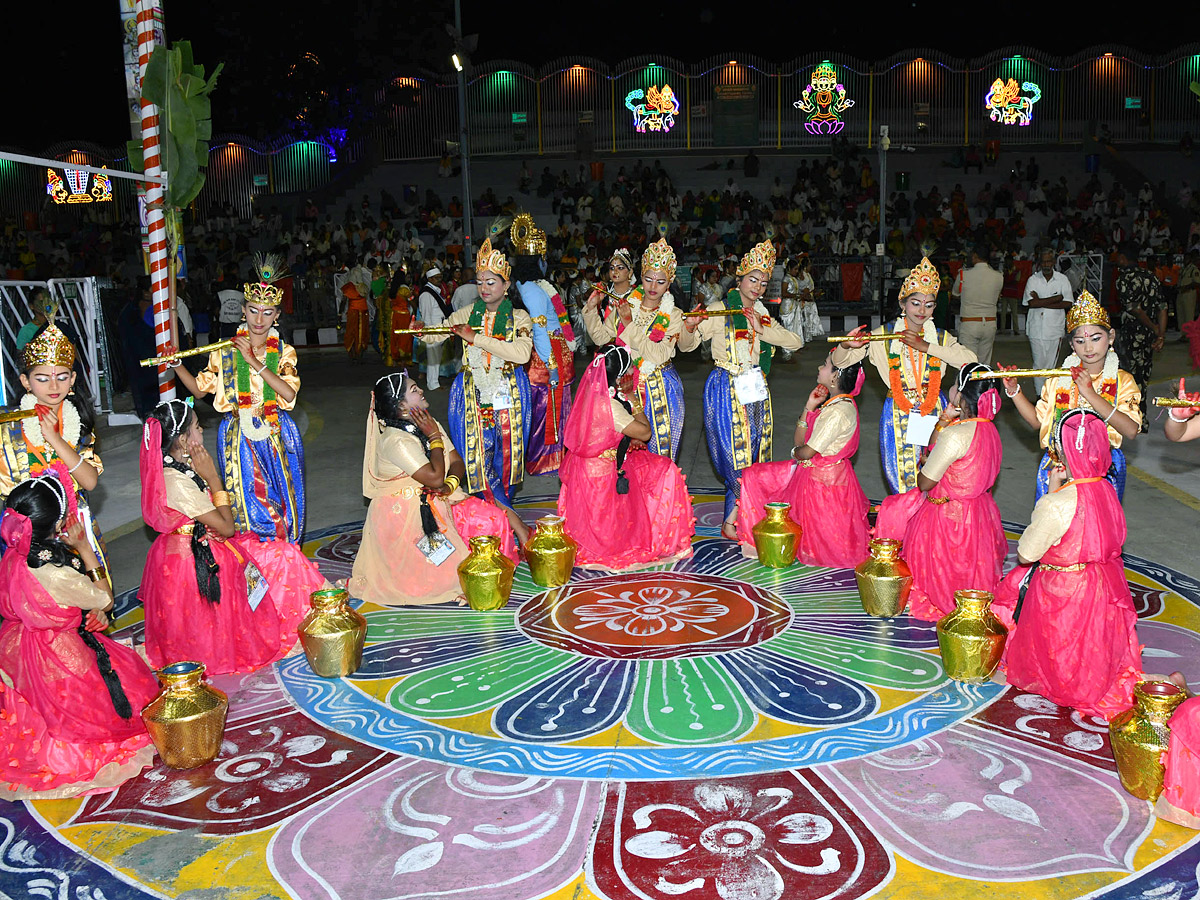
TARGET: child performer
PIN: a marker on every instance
(255, 383)
(59, 438)
(227, 599)
(737, 401)
(70, 698)
(419, 520)
(1075, 640)
(1182, 424)
(490, 399)
(912, 365)
(1097, 384)
(628, 508)
(1180, 799)
(649, 325)
(552, 365)
(818, 481)
(950, 525)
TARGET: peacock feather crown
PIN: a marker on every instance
(270, 268)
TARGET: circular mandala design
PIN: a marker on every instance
(653, 616)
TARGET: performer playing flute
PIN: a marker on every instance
(1182, 424)
(255, 384)
(1098, 384)
(737, 401)
(490, 398)
(649, 325)
(912, 366)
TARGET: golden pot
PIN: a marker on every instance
(486, 575)
(971, 638)
(186, 720)
(1139, 737)
(332, 634)
(884, 579)
(776, 536)
(550, 552)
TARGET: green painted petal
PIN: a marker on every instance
(387, 625)
(687, 701)
(838, 603)
(877, 664)
(463, 689)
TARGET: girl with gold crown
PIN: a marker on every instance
(912, 366)
(490, 400)
(255, 384)
(648, 323)
(59, 438)
(737, 401)
(1096, 383)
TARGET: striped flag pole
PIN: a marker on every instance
(149, 14)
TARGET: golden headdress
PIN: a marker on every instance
(1086, 311)
(923, 279)
(264, 292)
(50, 348)
(659, 255)
(527, 238)
(489, 260)
(761, 258)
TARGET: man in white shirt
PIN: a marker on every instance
(230, 315)
(978, 288)
(1048, 296)
(431, 311)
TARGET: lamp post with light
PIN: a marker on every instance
(461, 60)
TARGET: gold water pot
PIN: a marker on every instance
(550, 552)
(186, 720)
(486, 575)
(1139, 737)
(971, 638)
(332, 634)
(776, 536)
(884, 579)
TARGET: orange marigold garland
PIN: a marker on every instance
(931, 376)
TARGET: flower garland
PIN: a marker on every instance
(488, 381)
(257, 428)
(69, 426)
(1067, 398)
(739, 338)
(658, 328)
(931, 375)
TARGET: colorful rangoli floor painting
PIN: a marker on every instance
(712, 730)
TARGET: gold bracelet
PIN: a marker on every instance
(97, 574)
(220, 498)
(452, 483)
(436, 445)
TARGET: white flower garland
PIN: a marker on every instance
(667, 306)
(255, 428)
(1109, 374)
(72, 427)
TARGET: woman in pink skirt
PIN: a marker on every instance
(950, 525)
(626, 506)
(818, 481)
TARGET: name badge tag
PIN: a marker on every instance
(920, 429)
(501, 399)
(435, 547)
(256, 585)
(750, 386)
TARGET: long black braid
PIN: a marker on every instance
(389, 392)
(616, 360)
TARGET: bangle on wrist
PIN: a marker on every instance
(1111, 414)
(1171, 415)
(451, 483)
(71, 471)
(97, 574)
(220, 498)
(1014, 393)
(260, 370)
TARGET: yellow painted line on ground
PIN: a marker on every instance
(111, 534)
(316, 422)
(1170, 490)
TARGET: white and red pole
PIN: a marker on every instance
(149, 15)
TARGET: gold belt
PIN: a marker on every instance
(185, 529)
(731, 368)
(610, 453)
(939, 500)
(1074, 567)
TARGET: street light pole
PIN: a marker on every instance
(464, 147)
(884, 143)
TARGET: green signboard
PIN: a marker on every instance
(520, 118)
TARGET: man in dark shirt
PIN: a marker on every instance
(1142, 321)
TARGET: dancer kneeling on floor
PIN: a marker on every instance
(70, 697)
(1074, 640)
(212, 594)
(818, 481)
(953, 539)
(626, 506)
(419, 520)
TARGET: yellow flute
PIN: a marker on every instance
(1021, 373)
(838, 338)
(706, 313)
(17, 415)
(207, 348)
(1174, 402)
(432, 329)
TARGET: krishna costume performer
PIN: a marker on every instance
(737, 401)
(914, 380)
(490, 398)
(552, 366)
(651, 336)
(1060, 395)
(258, 439)
(25, 450)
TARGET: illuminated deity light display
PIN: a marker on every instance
(1007, 106)
(824, 100)
(75, 188)
(656, 111)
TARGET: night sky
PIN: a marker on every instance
(63, 79)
